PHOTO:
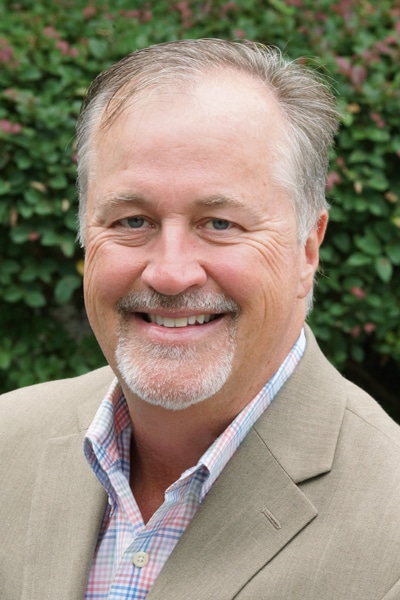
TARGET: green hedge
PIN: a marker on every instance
(51, 50)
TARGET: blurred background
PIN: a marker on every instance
(50, 50)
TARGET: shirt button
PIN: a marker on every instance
(140, 559)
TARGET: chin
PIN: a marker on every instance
(173, 378)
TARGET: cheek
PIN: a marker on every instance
(109, 273)
(265, 285)
(242, 276)
(254, 276)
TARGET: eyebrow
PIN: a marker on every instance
(214, 201)
(222, 201)
(106, 203)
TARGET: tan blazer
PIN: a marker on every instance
(307, 509)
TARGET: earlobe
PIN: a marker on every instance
(310, 255)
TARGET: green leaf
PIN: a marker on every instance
(98, 47)
(9, 266)
(358, 260)
(59, 182)
(342, 241)
(28, 274)
(378, 181)
(52, 238)
(66, 287)
(20, 234)
(68, 247)
(371, 133)
(30, 73)
(393, 252)
(357, 353)
(384, 269)
(4, 187)
(23, 161)
(34, 298)
(5, 358)
(369, 244)
(12, 294)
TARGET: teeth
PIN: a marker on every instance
(181, 321)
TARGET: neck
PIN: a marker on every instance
(164, 444)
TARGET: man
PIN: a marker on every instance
(226, 458)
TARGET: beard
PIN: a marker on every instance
(175, 376)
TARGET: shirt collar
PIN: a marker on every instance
(107, 443)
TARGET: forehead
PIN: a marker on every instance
(230, 95)
(226, 119)
(217, 136)
(175, 147)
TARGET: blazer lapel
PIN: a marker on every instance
(67, 507)
(256, 507)
(238, 529)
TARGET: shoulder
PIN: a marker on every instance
(335, 411)
(54, 405)
(366, 414)
(321, 378)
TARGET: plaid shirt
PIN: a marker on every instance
(130, 554)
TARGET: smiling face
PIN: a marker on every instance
(194, 278)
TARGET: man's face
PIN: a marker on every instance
(194, 278)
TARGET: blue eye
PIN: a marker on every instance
(134, 222)
(218, 224)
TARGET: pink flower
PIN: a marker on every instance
(184, 8)
(378, 120)
(229, 7)
(6, 51)
(89, 11)
(66, 49)
(11, 93)
(333, 178)
(51, 32)
(358, 292)
(134, 14)
(340, 162)
(358, 75)
(343, 64)
(8, 127)
(369, 327)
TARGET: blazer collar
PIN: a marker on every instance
(302, 425)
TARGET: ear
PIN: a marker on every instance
(310, 255)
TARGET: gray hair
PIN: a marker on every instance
(305, 99)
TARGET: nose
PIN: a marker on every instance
(174, 264)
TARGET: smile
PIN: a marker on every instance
(181, 321)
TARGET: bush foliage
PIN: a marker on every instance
(51, 50)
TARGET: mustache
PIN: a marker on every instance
(151, 300)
